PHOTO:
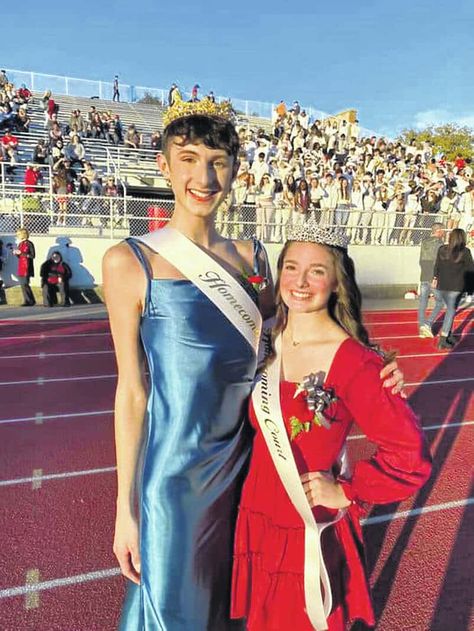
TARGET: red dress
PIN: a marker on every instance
(268, 580)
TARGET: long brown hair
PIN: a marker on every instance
(456, 246)
(344, 307)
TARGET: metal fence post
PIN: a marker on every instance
(111, 219)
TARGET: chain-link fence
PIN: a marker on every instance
(118, 217)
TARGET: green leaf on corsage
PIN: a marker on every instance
(296, 427)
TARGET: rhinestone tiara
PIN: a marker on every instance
(314, 233)
(204, 107)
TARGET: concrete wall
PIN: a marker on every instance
(376, 266)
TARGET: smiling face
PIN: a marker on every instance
(307, 278)
(200, 177)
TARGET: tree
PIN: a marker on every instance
(149, 99)
(449, 139)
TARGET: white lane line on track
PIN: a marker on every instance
(435, 383)
(410, 337)
(39, 381)
(457, 320)
(43, 336)
(414, 512)
(56, 476)
(42, 380)
(76, 474)
(425, 428)
(73, 354)
(22, 590)
(50, 417)
(59, 582)
(443, 354)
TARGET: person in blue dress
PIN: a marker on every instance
(182, 439)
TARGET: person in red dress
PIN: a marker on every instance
(327, 373)
(25, 251)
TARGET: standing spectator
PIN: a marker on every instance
(453, 266)
(260, 167)
(115, 133)
(329, 201)
(343, 202)
(3, 78)
(265, 207)
(211, 97)
(173, 95)
(55, 275)
(194, 92)
(466, 208)
(302, 201)
(60, 189)
(428, 254)
(412, 209)
(116, 96)
(33, 178)
(25, 251)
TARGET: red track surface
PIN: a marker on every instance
(420, 565)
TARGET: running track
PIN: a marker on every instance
(57, 482)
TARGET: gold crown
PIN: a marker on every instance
(204, 107)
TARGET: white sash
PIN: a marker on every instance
(266, 401)
(211, 278)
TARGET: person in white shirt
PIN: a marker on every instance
(466, 208)
(329, 200)
(265, 207)
(259, 167)
(412, 209)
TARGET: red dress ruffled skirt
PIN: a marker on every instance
(268, 574)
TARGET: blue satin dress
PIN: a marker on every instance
(197, 447)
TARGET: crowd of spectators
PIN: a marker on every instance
(298, 169)
(380, 192)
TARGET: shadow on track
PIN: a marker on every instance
(451, 405)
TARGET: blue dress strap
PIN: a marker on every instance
(260, 256)
(144, 262)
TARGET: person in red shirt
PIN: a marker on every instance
(32, 178)
(321, 376)
(459, 162)
(25, 251)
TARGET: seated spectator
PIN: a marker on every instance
(156, 141)
(24, 94)
(40, 152)
(7, 117)
(10, 147)
(33, 178)
(55, 275)
(96, 126)
(115, 130)
(75, 151)
(110, 188)
(56, 153)
(133, 139)
(76, 123)
(89, 171)
(84, 187)
(22, 121)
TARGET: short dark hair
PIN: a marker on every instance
(215, 133)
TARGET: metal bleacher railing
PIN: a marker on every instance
(118, 217)
(93, 89)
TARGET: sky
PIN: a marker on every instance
(401, 64)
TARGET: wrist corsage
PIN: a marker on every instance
(318, 400)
